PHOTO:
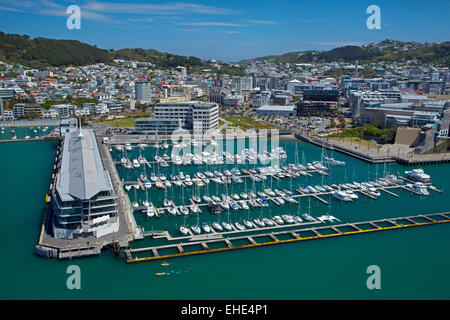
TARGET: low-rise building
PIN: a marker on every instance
(285, 111)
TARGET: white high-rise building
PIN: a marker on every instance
(143, 92)
(201, 116)
(183, 72)
(246, 83)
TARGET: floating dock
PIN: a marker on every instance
(257, 240)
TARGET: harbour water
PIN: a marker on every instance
(414, 262)
(7, 133)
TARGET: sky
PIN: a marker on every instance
(229, 30)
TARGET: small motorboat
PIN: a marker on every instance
(288, 219)
(234, 205)
(227, 226)
(243, 205)
(239, 226)
(167, 203)
(184, 230)
(268, 222)
(196, 229)
(248, 224)
(206, 227)
(217, 226)
(278, 220)
(259, 223)
(243, 195)
(184, 210)
(172, 210)
(150, 212)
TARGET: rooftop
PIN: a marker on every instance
(277, 108)
(82, 175)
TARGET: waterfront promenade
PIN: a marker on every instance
(375, 154)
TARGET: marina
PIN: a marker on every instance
(255, 192)
(246, 194)
(164, 230)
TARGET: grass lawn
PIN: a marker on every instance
(120, 123)
(245, 123)
(356, 140)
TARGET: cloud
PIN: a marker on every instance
(88, 15)
(141, 20)
(9, 9)
(231, 32)
(213, 24)
(106, 12)
(263, 22)
(157, 9)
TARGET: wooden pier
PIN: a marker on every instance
(254, 240)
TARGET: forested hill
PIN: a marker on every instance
(41, 52)
(387, 50)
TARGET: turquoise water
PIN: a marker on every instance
(22, 132)
(414, 262)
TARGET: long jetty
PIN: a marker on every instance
(205, 245)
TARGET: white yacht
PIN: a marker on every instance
(150, 212)
(418, 175)
(340, 195)
(136, 163)
(268, 222)
(418, 187)
(333, 162)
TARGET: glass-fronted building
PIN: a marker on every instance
(84, 202)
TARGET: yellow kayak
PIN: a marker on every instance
(160, 273)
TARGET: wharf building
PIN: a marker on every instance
(83, 202)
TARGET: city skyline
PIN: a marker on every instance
(230, 31)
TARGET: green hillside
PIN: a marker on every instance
(387, 50)
(42, 52)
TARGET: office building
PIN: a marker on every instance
(202, 116)
(156, 126)
(143, 92)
